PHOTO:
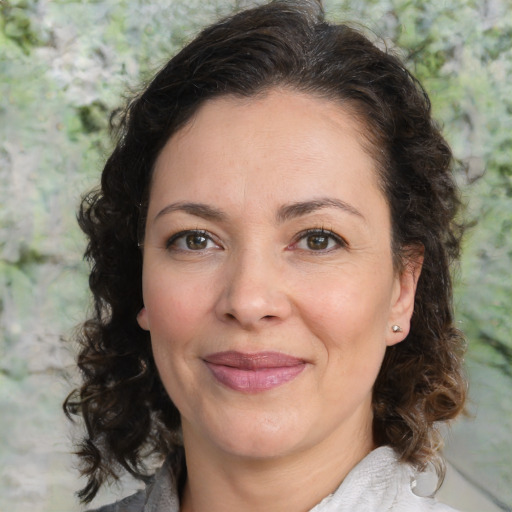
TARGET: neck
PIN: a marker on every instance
(225, 482)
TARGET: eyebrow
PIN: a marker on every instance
(293, 210)
(198, 209)
(285, 212)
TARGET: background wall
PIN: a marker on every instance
(64, 65)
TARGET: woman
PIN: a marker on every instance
(273, 308)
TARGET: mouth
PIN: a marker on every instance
(253, 373)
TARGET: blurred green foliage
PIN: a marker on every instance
(64, 65)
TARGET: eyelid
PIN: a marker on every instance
(322, 232)
(184, 232)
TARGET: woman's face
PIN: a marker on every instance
(268, 276)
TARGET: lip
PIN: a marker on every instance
(253, 372)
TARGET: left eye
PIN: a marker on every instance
(191, 241)
(320, 241)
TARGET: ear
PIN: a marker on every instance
(142, 319)
(404, 292)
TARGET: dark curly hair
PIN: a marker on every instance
(127, 413)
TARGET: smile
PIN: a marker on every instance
(252, 373)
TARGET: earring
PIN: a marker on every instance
(396, 328)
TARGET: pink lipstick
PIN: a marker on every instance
(252, 373)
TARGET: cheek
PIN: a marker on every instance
(346, 314)
(349, 332)
(333, 302)
(175, 305)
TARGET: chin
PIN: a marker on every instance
(256, 436)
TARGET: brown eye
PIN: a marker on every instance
(196, 242)
(191, 240)
(317, 242)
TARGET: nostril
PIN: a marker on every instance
(234, 317)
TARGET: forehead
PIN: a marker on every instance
(278, 112)
(279, 146)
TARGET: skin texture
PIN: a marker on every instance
(264, 170)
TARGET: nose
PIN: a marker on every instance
(254, 292)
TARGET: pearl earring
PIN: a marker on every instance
(396, 328)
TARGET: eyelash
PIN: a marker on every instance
(183, 234)
(303, 235)
(319, 232)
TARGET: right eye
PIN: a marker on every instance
(191, 240)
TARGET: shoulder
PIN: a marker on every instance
(161, 492)
(415, 491)
(409, 502)
(418, 504)
(133, 503)
(380, 483)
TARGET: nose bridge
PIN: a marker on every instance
(253, 291)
